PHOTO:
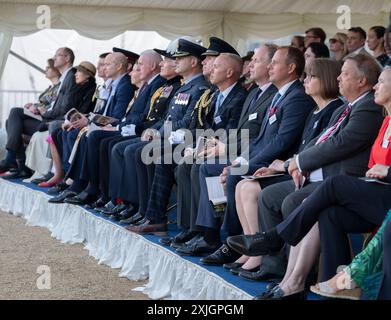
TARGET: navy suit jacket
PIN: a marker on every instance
(141, 104)
(281, 138)
(120, 101)
(229, 112)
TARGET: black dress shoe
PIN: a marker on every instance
(125, 214)
(232, 265)
(259, 244)
(132, 220)
(117, 209)
(58, 188)
(166, 241)
(182, 237)
(98, 203)
(223, 255)
(236, 271)
(81, 199)
(46, 177)
(278, 294)
(140, 222)
(260, 275)
(197, 248)
(18, 174)
(128, 213)
(108, 206)
(62, 196)
(6, 166)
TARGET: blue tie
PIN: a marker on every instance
(275, 99)
(219, 101)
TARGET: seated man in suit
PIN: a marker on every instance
(202, 118)
(252, 113)
(69, 95)
(356, 42)
(87, 166)
(180, 108)
(343, 148)
(279, 136)
(224, 112)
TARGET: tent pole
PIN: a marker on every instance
(27, 61)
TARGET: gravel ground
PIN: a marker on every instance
(26, 250)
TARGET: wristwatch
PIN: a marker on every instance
(286, 165)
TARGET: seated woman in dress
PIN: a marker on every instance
(322, 86)
(85, 78)
(351, 205)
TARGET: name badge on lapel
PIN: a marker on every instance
(252, 116)
(218, 120)
(385, 144)
(272, 119)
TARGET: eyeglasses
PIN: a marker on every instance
(333, 40)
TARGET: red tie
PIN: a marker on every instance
(329, 131)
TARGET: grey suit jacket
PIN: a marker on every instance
(258, 108)
(347, 150)
(254, 125)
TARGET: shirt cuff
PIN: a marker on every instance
(298, 162)
(241, 160)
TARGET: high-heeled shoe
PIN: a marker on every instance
(47, 184)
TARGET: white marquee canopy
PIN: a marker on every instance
(237, 21)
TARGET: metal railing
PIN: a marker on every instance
(15, 98)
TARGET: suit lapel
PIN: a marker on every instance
(227, 101)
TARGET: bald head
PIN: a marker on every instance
(149, 64)
(116, 64)
(227, 69)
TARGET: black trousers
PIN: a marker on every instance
(145, 174)
(16, 125)
(106, 145)
(341, 205)
(188, 195)
(385, 287)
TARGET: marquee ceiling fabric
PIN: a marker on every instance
(232, 19)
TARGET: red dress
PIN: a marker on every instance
(381, 154)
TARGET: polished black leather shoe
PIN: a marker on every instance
(222, 255)
(81, 199)
(5, 166)
(62, 196)
(236, 271)
(125, 214)
(18, 174)
(182, 237)
(232, 265)
(132, 220)
(117, 209)
(259, 244)
(278, 294)
(108, 206)
(128, 213)
(58, 188)
(197, 248)
(259, 275)
(140, 222)
(98, 203)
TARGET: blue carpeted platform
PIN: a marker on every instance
(251, 287)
